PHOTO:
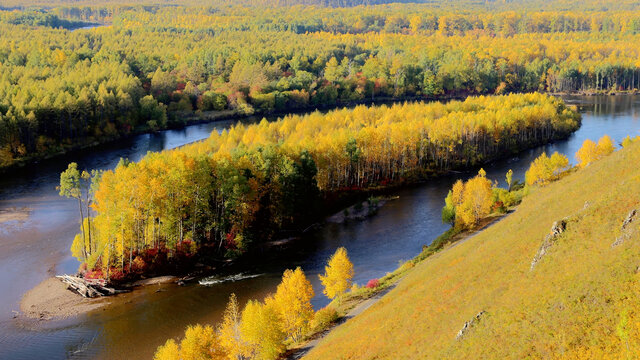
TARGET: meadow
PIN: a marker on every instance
(579, 302)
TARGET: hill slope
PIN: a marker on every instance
(580, 301)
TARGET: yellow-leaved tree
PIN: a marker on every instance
(628, 140)
(545, 169)
(590, 151)
(337, 274)
(169, 351)
(457, 193)
(229, 331)
(477, 199)
(199, 342)
(605, 146)
(587, 153)
(261, 330)
(293, 302)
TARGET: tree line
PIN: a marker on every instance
(156, 66)
(248, 184)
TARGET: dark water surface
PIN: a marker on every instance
(138, 322)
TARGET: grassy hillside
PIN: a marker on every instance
(580, 301)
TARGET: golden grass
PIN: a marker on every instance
(582, 300)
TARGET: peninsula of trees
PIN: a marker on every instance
(246, 185)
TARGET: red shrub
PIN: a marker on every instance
(116, 275)
(372, 284)
(94, 274)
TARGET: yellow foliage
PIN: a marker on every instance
(457, 193)
(590, 151)
(168, 351)
(477, 199)
(230, 336)
(199, 343)
(627, 141)
(337, 274)
(260, 327)
(605, 146)
(545, 169)
(587, 154)
(165, 197)
(293, 302)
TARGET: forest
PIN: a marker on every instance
(222, 196)
(156, 66)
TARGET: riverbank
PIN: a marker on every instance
(360, 299)
(52, 300)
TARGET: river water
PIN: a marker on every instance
(136, 323)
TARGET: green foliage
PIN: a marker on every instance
(153, 113)
(449, 210)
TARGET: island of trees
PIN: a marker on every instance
(221, 196)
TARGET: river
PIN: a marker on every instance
(137, 323)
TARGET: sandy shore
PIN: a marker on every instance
(51, 300)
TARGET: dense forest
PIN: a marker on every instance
(454, 5)
(248, 184)
(157, 66)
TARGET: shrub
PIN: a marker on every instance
(406, 266)
(373, 283)
(323, 318)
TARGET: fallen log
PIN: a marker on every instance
(89, 288)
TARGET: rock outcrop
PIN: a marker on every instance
(557, 228)
(627, 229)
(469, 324)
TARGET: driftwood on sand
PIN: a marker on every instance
(89, 288)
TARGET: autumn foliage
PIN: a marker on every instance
(244, 185)
(469, 202)
(337, 274)
(545, 169)
(590, 151)
(580, 301)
